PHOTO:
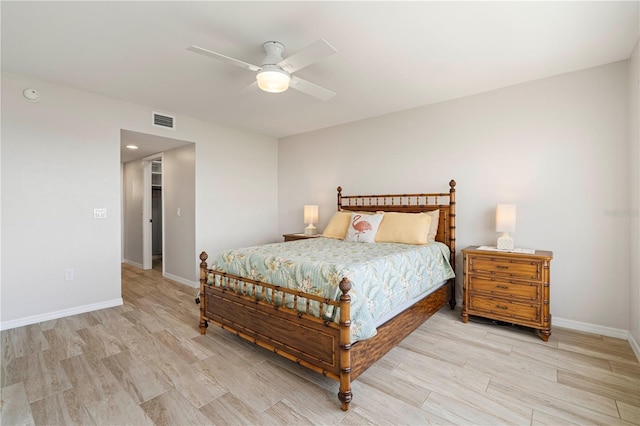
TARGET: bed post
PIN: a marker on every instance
(203, 280)
(345, 343)
(452, 238)
(339, 189)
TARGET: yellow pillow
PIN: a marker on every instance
(407, 228)
(338, 225)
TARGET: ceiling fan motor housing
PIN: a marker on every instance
(274, 51)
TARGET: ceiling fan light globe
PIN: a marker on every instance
(273, 80)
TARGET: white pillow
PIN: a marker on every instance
(433, 227)
(363, 228)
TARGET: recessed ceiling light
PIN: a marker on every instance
(132, 147)
(31, 95)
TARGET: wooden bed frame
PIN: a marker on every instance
(325, 346)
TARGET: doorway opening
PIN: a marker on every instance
(156, 214)
(153, 208)
(152, 181)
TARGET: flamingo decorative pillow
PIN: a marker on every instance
(363, 228)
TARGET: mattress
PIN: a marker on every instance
(386, 277)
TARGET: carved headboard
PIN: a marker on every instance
(411, 203)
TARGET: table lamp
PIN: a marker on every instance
(505, 223)
(311, 217)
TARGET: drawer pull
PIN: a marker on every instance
(502, 307)
(505, 287)
(502, 267)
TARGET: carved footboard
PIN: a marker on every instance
(263, 318)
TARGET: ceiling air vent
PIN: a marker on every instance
(163, 120)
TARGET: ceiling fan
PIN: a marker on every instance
(275, 73)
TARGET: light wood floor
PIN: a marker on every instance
(146, 363)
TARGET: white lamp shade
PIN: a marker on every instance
(273, 80)
(506, 218)
(310, 214)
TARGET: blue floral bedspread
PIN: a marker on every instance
(383, 275)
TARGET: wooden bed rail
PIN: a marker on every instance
(269, 311)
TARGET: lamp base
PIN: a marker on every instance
(310, 230)
(505, 242)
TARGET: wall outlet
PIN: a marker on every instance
(69, 274)
(99, 213)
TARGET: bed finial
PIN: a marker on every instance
(344, 393)
(339, 189)
(203, 259)
(201, 296)
(345, 285)
(452, 238)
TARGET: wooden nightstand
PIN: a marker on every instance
(293, 237)
(510, 287)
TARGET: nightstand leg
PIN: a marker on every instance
(544, 335)
(465, 317)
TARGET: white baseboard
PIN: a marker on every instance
(194, 284)
(590, 328)
(634, 346)
(132, 263)
(598, 329)
(593, 328)
(34, 319)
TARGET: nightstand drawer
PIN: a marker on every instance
(504, 309)
(527, 291)
(507, 267)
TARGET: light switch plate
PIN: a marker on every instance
(69, 274)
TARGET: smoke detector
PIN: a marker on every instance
(31, 95)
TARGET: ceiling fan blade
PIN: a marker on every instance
(311, 89)
(310, 54)
(253, 87)
(224, 58)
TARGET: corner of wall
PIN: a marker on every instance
(634, 196)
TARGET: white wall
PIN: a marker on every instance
(61, 159)
(634, 217)
(132, 178)
(178, 190)
(57, 166)
(556, 147)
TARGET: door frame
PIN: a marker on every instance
(147, 225)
